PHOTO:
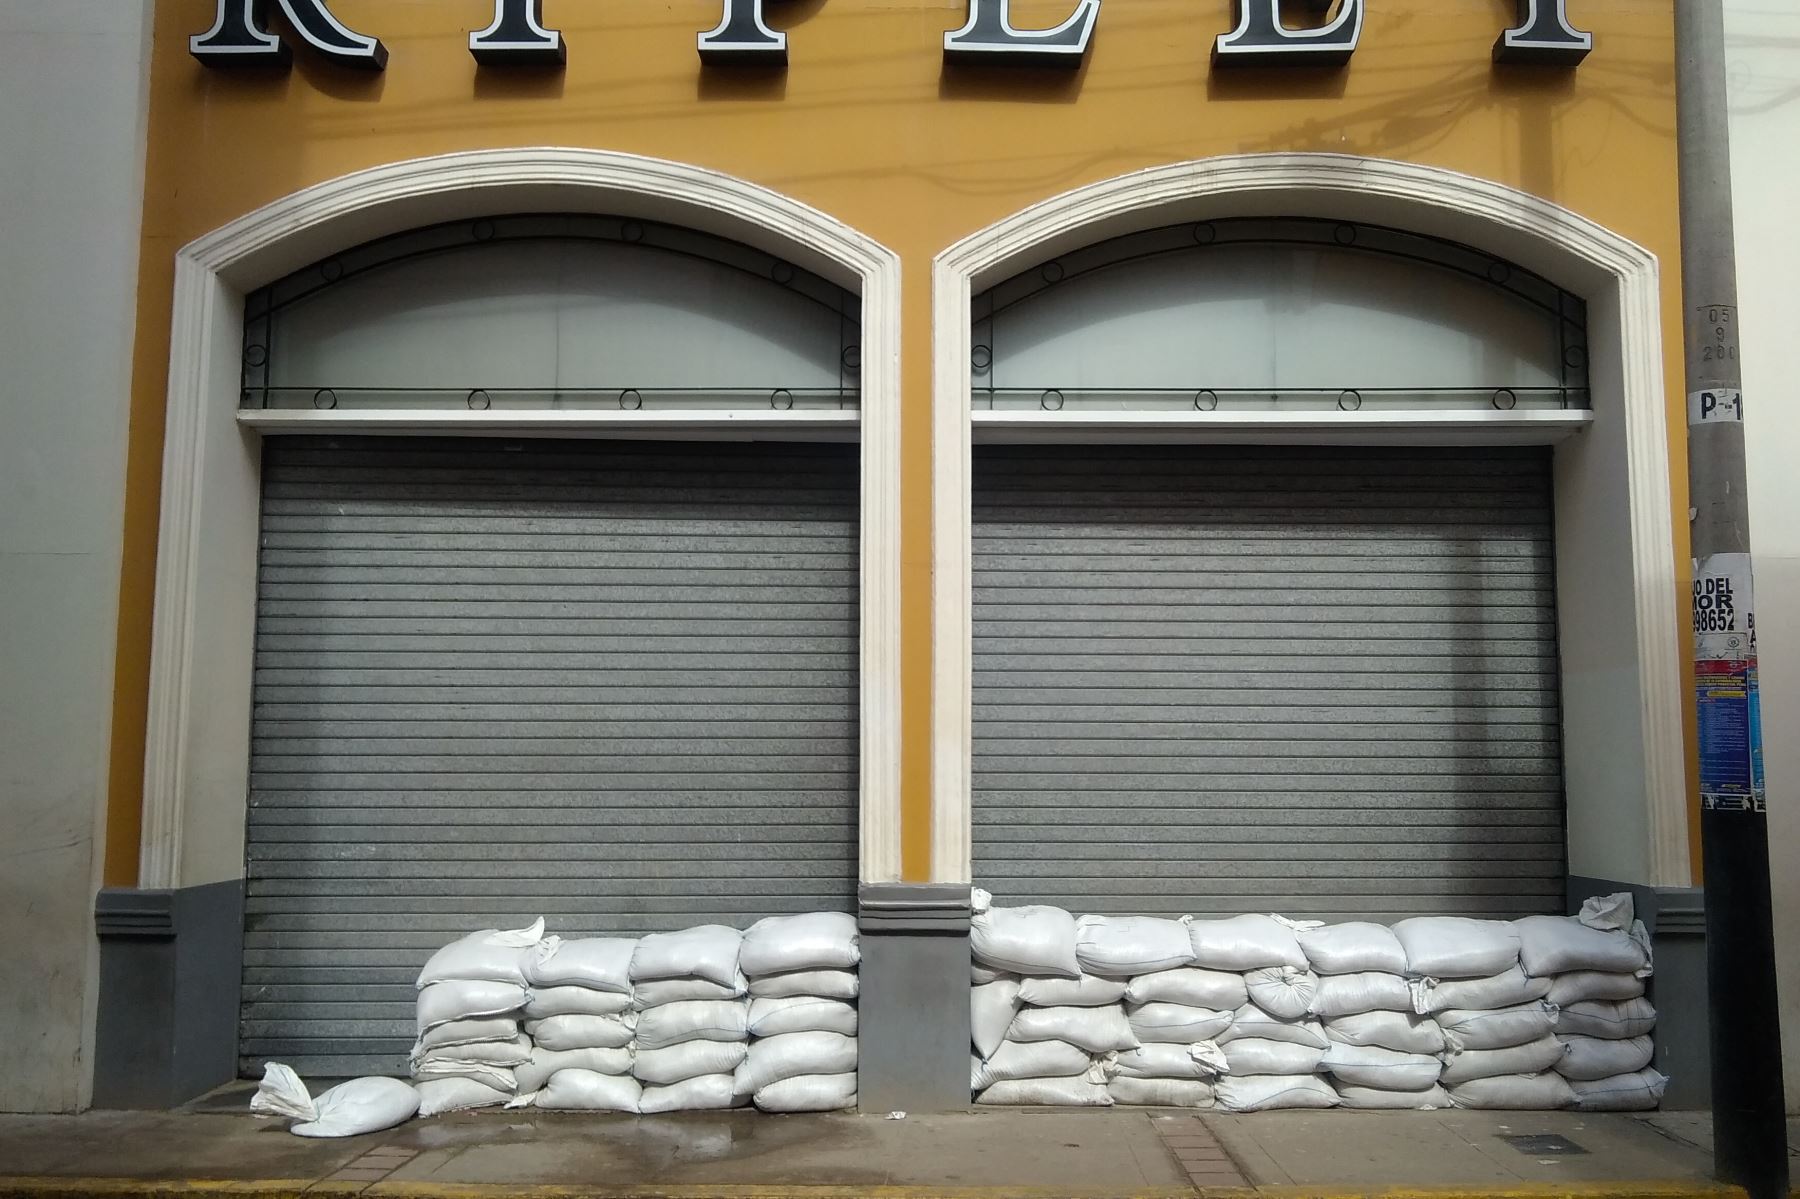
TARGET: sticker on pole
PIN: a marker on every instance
(1720, 405)
(1725, 685)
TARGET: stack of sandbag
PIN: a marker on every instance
(802, 979)
(472, 996)
(580, 1019)
(1274, 1044)
(1380, 1054)
(692, 1019)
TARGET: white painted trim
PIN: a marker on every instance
(1618, 278)
(558, 423)
(196, 761)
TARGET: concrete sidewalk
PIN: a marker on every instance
(983, 1153)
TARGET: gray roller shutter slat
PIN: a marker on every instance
(612, 684)
(1321, 682)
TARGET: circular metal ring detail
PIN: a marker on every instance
(631, 399)
(1499, 272)
(631, 231)
(1349, 400)
(324, 398)
(479, 400)
(1206, 400)
(1506, 399)
(852, 357)
(1205, 233)
(782, 273)
(1344, 235)
(1052, 272)
(331, 270)
(981, 357)
(482, 230)
(1575, 356)
(1051, 401)
(781, 399)
(255, 355)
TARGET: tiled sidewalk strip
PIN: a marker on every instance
(1207, 1164)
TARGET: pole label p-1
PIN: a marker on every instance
(1719, 404)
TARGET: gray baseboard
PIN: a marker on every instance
(171, 969)
(913, 1029)
(1676, 918)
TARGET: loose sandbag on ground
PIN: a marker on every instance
(1402, 1032)
(543, 1002)
(1029, 1059)
(1590, 1059)
(544, 1062)
(1372, 1066)
(1273, 1092)
(1499, 1028)
(1251, 1021)
(1204, 1060)
(1047, 1092)
(804, 1013)
(1585, 986)
(1195, 986)
(1032, 940)
(696, 1020)
(440, 1095)
(1095, 1029)
(708, 951)
(1457, 947)
(1089, 990)
(825, 984)
(1353, 948)
(1509, 988)
(1174, 1023)
(1599, 1018)
(702, 1093)
(809, 1093)
(597, 963)
(349, 1109)
(1352, 994)
(1160, 1092)
(814, 941)
(585, 1091)
(1374, 1099)
(1282, 990)
(1255, 1056)
(1245, 943)
(1126, 946)
(991, 1012)
(1641, 1091)
(1559, 944)
(1531, 1058)
(1514, 1092)
(582, 1032)
(690, 1059)
(491, 955)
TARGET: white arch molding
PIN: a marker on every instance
(197, 752)
(1618, 617)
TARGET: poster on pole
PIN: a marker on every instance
(1725, 684)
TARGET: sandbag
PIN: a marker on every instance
(1402, 1032)
(597, 963)
(708, 951)
(1590, 1059)
(1616, 1021)
(1195, 986)
(1095, 1029)
(491, 955)
(694, 1020)
(1386, 1069)
(1530, 1058)
(440, 1003)
(1124, 946)
(825, 984)
(1087, 991)
(533, 1074)
(467, 1032)
(1514, 1092)
(772, 1059)
(1251, 1022)
(1175, 1023)
(582, 1032)
(702, 1093)
(1160, 1092)
(1036, 939)
(1253, 1055)
(803, 1013)
(1457, 947)
(659, 991)
(981, 976)
(346, 1110)
(501, 1078)
(1374, 1099)
(1587, 986)
(585, 1091)
(991, 1012)
(690, 1059)
(1282, 990)
(814, 941)
(1352, 994)
(1509, 988)
(440, 1095)
(1273, 1092)
(1028, 1059)
(1352, 948)
(809, 1093)
(1499, 1028)
(1245, 943)
(542, 1003)
(1047, 1092)
(1558, 944)
(508, 1053)
(1204, 1059)
(1640, 1091)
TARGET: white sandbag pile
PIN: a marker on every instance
(472, 996)
(801, 1019)
(1256, 1013)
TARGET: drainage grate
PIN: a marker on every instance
(1543, 1144)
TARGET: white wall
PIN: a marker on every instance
(73, 92)
(1763, 63)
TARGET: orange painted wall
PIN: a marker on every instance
(867, 125)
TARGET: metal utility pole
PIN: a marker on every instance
(1749, 1125)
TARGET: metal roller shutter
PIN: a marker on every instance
(1320, 682)
(609, 683)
